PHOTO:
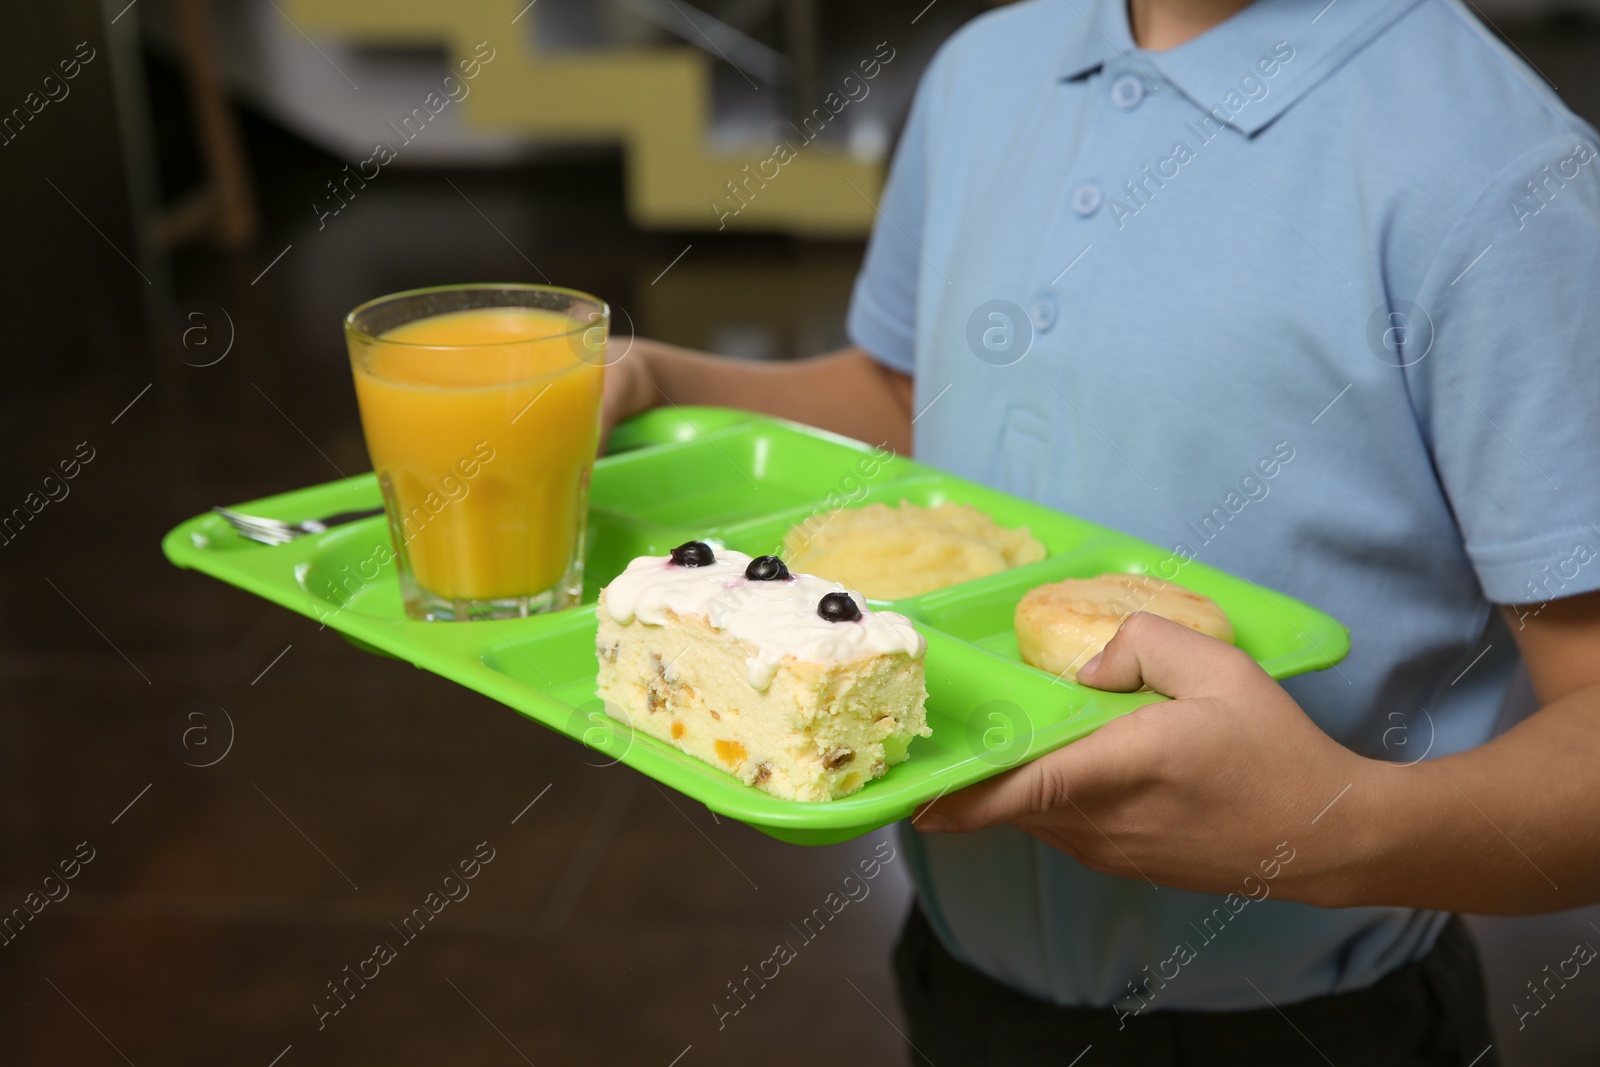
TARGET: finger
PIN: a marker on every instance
(1167, 656)
(1095, 763)
(993, 802)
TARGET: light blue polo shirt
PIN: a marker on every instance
(1356, 244)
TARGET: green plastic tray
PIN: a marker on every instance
(709, 473)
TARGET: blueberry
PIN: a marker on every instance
(766, 569)
(693, 554)
(839, 607)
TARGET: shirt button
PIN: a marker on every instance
(1043, 312)
(1087, 198)
(1127, 91)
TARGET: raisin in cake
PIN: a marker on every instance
(786, 681)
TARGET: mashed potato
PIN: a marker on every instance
(888, 553)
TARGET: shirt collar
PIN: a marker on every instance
(1099, 34)
(1215, 69)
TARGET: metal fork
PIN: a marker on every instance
(278, 532)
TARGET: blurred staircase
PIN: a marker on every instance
(655, 102)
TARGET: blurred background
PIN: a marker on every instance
(187, 217)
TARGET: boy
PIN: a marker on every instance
(1305, 291)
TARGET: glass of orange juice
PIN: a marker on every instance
(481, 409)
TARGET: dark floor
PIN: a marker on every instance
(222, 900)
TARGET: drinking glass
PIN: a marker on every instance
(481, 410)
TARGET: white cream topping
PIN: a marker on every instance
(779, 618)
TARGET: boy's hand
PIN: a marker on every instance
(846, 391)
(1191, 793)
(628, 388)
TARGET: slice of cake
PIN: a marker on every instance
(786, 681)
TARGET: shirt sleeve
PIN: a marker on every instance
(883, 305)
(1507, 389)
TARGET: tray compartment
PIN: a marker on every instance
(988, 712)
(613, 540)
(726, 476)
(671, 425)
(557, 661)
(352, 569)
(1282, 634)
(924, 487)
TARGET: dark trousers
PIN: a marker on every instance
(1432, 1013)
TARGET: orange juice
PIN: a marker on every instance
(482, 425)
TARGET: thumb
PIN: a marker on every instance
(1167, 656)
